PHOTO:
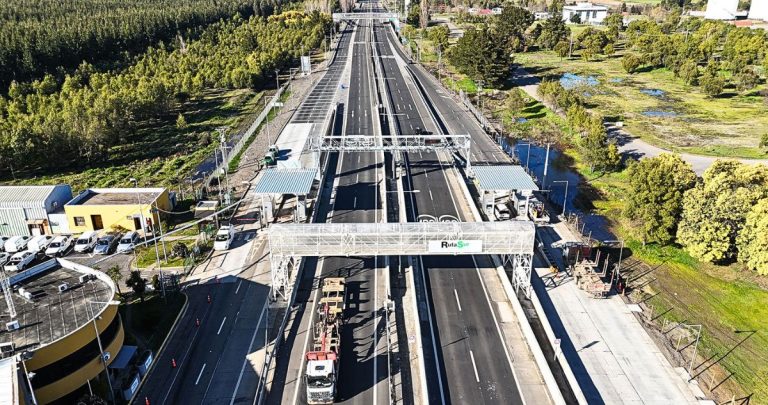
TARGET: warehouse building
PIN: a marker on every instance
(721, 9)
(109, 208)
(64, 330)
(32, 210)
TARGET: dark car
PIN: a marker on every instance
(106, 245)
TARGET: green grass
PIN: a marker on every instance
(728, 126)
(148, 323)
(159, 153)
(146, 256)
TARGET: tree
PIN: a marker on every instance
(609, 50)
(592, 41)
(689, 72)
(480, 56)
(137, 283)
(597, 151)
(614, 24)
(553, 30)
(116, 276)
(515, 102)
(562, 49)
(752, 242)
(439, 36)
(655, 198)
(630, 62)
(91, 400)
(764, 140)
(747, 79)
(511, 25)
(414, 15)
(181, 122)
(711, 82)
(714, 212)
(575, 18)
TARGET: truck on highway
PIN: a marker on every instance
(270, 158)
(323, 360)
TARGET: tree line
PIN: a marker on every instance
(41, 36)
(719, 217)
(46, 125)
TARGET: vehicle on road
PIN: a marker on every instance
(19, 261)
(128, 242)
(39, 243)
(86, 242)
(270, 157)
(224, 237)
(59, 246)
(16, 244)
(3, 239)
(323, 360)
(501, 211)
(4, 258)
(106, 244)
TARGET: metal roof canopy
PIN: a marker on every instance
(24, 196)
(286, 181)
(503, 178)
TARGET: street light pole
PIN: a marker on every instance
(141, 213)
(565, 196)
(101, 348)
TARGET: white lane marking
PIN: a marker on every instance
(222, 325)
(200, 375)
(430, 195)
(354, 204)
(456, 294)
(238, 286)
(474, 366)
(245, 361)
(410, 106)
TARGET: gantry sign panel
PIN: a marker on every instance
(513, 240)
(364, 16)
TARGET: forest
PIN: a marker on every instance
(50, 36)
(82, 120)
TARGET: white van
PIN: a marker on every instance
(19, 261)
(86, 241)
(16, 244)
(224, 237)
(39, 243)
(59, 246)
(501, 211)
(128, 242)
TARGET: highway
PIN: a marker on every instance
(468, 361)
(356, 197)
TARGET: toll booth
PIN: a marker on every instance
(500, 184)
(274, 185)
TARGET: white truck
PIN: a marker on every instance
(323, 360)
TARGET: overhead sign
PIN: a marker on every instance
(456, 246)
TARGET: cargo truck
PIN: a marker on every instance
(323, 358)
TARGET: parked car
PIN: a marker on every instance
(4, 258)
(128, 242)
(39, 243)
(106, 244)
(59, 246)
(86, 241)
(19, 261)
(2, 242)
(224, 237)
(16, 244)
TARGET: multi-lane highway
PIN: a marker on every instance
(468, 355)
(356, 197)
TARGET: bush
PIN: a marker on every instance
(630, 62)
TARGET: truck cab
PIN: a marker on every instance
(321, 380)
(270, 158)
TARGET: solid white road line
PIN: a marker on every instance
(474, 366)
(222, 325)
(200, 375)
(456, 294)
(238, 286)
(245, 361)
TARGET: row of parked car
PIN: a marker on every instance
(18, 252)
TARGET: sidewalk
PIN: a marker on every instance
(612, 356)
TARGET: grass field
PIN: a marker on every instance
(160, 154)
(729, 125)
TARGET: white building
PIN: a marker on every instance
(722, 9)
(759, 10)
(589, 13)
(541, 15)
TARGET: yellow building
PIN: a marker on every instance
(106, 208)
(58, 347)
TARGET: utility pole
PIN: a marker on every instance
(546, 166)
(570, 47)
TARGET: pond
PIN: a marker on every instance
(660, 114)
(570, 81)
(654, 92)
(558, 172)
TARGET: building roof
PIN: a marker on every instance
(117, 196)
(9, 381)
(123, 357)
(286, 181)
(585, 6)
(53, 315)
(505, 177)
(24, 196)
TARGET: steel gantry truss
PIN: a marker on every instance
(363, 16)
(514, 240)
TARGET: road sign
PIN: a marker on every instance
(455, 246)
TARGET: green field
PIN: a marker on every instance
(729, 125)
